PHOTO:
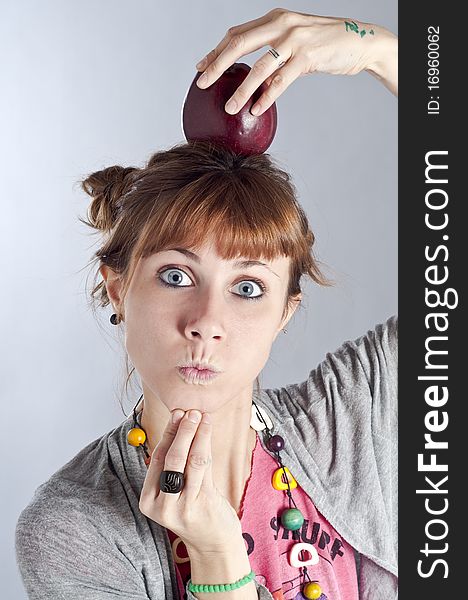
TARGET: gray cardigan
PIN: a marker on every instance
(83, 537)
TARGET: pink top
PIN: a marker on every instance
(268, 543)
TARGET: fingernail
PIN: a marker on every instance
(194, 416)
(177, 415)
(201, 64)
(231, 106)
(202, 80)
(255, 110)
(206, 418)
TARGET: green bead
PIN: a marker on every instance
(292, 519)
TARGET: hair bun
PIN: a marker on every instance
(106, 187)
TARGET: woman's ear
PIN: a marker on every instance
(292, 306)
(113, 284)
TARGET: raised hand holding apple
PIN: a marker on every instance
(306, 44)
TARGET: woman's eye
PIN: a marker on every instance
(247, 287)
(174, 277)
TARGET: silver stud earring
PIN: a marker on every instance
(285, 330)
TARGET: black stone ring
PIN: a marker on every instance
(171, 482)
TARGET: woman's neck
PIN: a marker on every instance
(233, 440)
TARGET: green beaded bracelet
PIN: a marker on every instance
(220, 587)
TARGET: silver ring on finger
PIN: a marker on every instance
(276, 55)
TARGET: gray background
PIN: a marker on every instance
(90, 84)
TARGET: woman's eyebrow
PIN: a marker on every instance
(238, 264)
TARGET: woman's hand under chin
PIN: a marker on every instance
(199, 514)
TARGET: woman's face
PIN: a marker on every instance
(182, 307)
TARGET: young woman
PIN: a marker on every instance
(277, 493)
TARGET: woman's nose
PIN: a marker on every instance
(206, 318)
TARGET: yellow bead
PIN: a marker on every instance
(278, 479)
(312, 590)
(136, 436)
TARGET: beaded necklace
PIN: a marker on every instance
(282, 480)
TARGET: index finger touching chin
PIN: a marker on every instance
(198, 471)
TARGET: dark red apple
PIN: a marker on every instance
(204, 116)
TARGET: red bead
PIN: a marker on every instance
(275, 443)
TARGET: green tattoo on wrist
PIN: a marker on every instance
(355, 28)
